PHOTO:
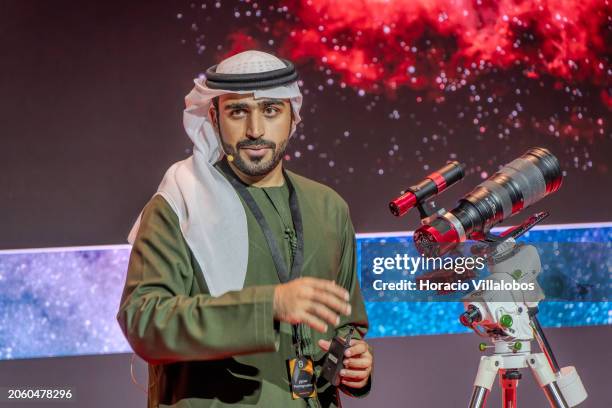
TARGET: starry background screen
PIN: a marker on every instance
(93, 95)
(91, 119)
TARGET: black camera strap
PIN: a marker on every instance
(284, 275)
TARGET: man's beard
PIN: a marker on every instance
(258, 166)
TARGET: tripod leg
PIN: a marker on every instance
(554, 396)
(509, 382)
(545, 377)
(487, 370)
(479, 397)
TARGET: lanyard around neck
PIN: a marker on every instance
(298, 257)
(279, 263)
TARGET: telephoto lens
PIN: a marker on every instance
(516, 186)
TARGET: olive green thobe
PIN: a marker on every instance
(206, 351)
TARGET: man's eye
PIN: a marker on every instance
(238, 113)
(270, 111)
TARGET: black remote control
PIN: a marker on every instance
(335, 358)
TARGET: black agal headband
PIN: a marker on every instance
(240, 82)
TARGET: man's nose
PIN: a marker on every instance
(255, 126)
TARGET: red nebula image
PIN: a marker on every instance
(425, 44)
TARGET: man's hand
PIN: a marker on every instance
(357, 363)
(312, 301)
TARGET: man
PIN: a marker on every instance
(241, 272)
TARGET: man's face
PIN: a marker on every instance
(254, 131)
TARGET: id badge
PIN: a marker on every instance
(302, 377)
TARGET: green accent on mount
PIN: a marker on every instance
(506, 321)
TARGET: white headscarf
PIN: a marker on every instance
(212, 218)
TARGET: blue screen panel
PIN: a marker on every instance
(63, 301)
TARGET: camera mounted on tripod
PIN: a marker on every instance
(516, 186)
